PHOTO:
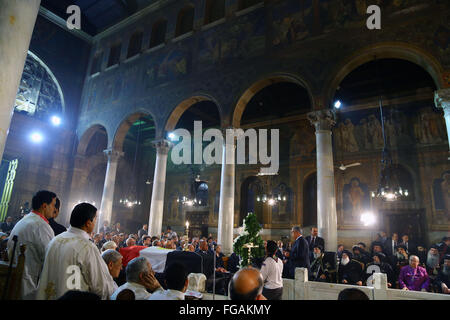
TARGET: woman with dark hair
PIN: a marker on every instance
(272, 270)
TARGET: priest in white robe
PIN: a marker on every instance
(34, 231)
(73, 262)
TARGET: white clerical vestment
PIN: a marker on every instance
(33, 231)
(68, 253)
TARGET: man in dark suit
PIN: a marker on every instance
(8, 225)
(314, 239)
(299, 256)
(411, 247)
(390, 244)
(57, 228)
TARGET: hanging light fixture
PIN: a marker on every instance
(270, 198)
(131, 200)
(389, 188)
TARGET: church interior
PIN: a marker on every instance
(363, 115)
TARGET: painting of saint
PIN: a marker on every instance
(356, 200)
(441, 197)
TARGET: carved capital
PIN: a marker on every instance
(113, 155)
(322, 119)
(442, 100)
(162, 146)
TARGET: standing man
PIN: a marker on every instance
(390, 245)
(57, 228)
(34, 231)
(314, 239)
(73, 262)
(299, 256)
(8, 225)
(143, 232)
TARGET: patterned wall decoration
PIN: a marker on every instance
(39, 94)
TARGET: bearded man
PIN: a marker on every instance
(443, 278)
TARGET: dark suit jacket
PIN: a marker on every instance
(57, 228)
(318, 241)
(388, 247)
(7, 228)
(299, 257)
(412, 247)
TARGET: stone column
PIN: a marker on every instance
(226, 206)
(108, 189)
(442, 100)
(323, 120)
(159, 183)
(17, 19)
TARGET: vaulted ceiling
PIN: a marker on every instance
(97, 15)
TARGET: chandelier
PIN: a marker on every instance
(130, 200)
(190, 200)
(270, 198)
(389, 188)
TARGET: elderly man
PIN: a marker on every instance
(109, 245)
(299, 255)
(72, 254)
(413, 277)
(131, 251)
(432, 263)
(113, 261)
(140, 277)
(247, 284)
(176, 282)
(349, 271)
(320, 269)
(443, 278)
(35, 232)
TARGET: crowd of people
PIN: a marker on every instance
(107, 264)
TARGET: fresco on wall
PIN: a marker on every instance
(356, 200)
(243, 39)
(282, 210)
(303, 142)
(291, 21)
(175, 209)
(441, 199)
(362, 131)
(167, 66)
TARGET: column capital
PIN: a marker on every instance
(322, 119)
(113, 155)
(442, 99)
(162, 146)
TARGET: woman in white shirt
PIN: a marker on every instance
(272, 270)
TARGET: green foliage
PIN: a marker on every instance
(250, 235)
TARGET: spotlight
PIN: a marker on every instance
(56, 121)
(36, 137)
(368, 219)
(271, 202)
(337, 104)
(172, 136)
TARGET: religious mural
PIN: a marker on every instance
(167, 66)
(441, 199)
(291, 21)
(245, 38)
(303, 142)
(356, 200)
(362, 130)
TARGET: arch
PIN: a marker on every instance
(185, 20)
(257, 86)
(252, 182)
(214, 10)
(125, 125)
(389, 50)
(184, 105)
(52, 77)
(158, 35)
(87, 136)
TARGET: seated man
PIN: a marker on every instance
(414, 277)
(131, 251)
(349, 271)
(140, 277)
(433, 266)
(443, 278)
(379, 260)
(400, 259)
(361, 256)
(247, 284)
(176, 283)
(319, 268)
(113, 260)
